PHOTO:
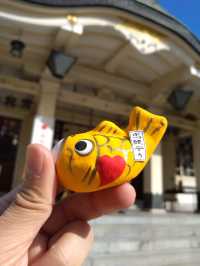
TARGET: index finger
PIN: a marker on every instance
(87, 206)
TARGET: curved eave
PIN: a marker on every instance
(135, 8)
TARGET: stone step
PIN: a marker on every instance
(146, 239)
(145, 218)
(183, 257)
(148, 227)
(125, 247)
(142, 232)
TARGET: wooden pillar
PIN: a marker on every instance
(153, 181)
(44, 120)
(37, 128)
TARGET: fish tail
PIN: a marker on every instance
(151, 124)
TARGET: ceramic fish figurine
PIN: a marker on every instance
(108, 155)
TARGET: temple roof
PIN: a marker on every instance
(149, 10)
(123, 52)
(152, 3)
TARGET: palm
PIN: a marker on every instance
(36, 232)
(67, 218)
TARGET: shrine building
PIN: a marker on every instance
(66, 65)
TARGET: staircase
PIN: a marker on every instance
(145, 239)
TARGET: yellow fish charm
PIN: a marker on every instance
(108, 156)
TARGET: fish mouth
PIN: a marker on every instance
(110, 168)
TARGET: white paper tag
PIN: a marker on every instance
(138, 145)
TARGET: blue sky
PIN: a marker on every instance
(187, 11)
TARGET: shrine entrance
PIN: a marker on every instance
(9, 136)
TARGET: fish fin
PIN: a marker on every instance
(109, 128)
(153, 126)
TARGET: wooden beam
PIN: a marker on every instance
(14, 112)
(60, 39)
(94, 103)
(163, 86)
(116, 108)
(30, 63)
(193, 107)
(65, 40)
(19, 85)
(32, 88)
(115, 59)
(71, 116)
(101, 79)
(182, 123)
(167, 82)
(150, 65)
(180, 53)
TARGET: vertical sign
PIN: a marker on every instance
(43, 131)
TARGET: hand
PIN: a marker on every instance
(35, 231)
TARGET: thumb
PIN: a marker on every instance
(33, 204)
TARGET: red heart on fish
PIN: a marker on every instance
(110, 168)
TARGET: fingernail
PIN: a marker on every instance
(34, 162)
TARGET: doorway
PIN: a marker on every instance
(9, 138)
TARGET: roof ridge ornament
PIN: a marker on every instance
(72, 19)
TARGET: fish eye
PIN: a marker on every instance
(84, 147)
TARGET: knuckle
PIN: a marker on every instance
(30, 200)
